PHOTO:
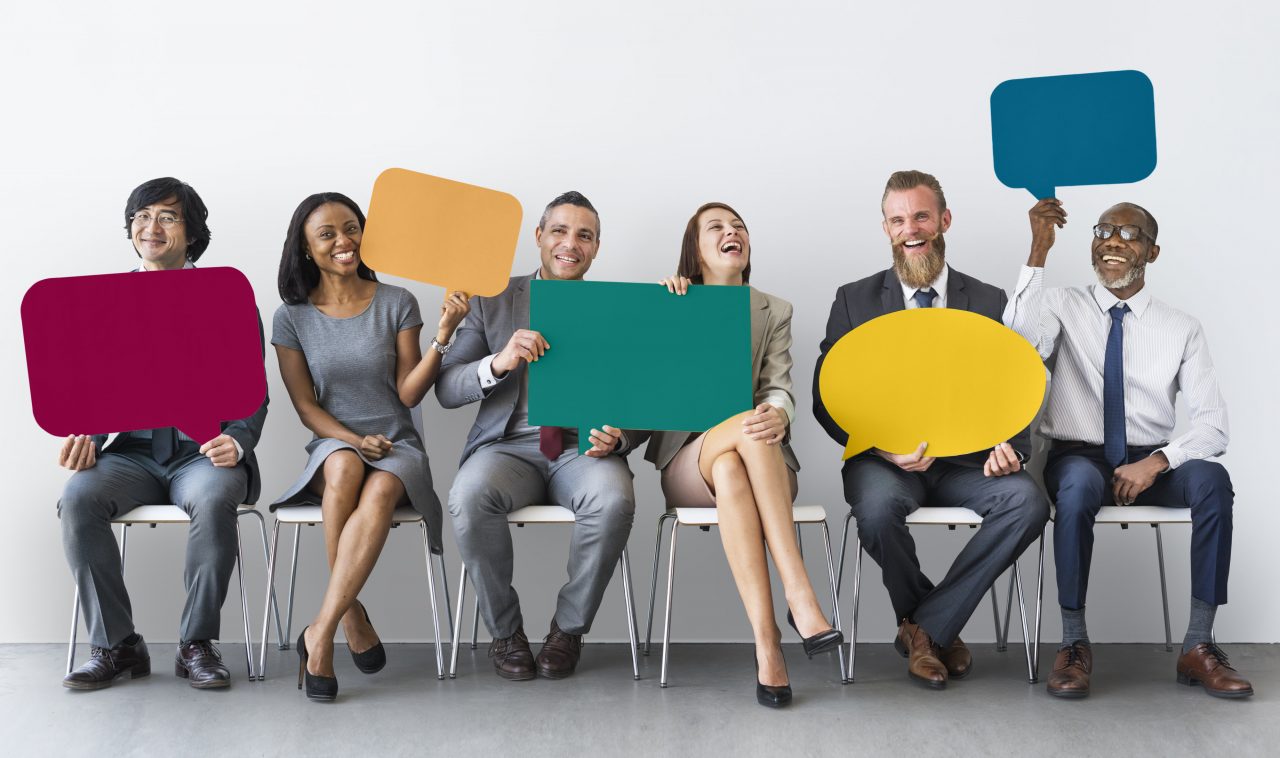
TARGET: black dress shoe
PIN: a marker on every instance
(373, 660)
(200, 661)
(105, 666)
(559, 654)
(771, 696)
(820, 642)
(512, 658)
(320, 688)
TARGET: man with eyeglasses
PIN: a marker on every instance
(166, 220)
(1120, 358)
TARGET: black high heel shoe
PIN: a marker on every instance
(373, 660)
(322, 688)
(820, 642)
(770, 696)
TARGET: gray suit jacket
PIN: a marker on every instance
(770, 375)
(859, 302)
(485, 331)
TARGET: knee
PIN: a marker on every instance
(81, 502)
(343, 469)
(613, 507)
(728, 472)
(1209, 487)
(1023, 499)
(472, 499)
(877, 513)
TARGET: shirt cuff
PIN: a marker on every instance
(239, 450)
(1028, 276)
(1175, 456)
(485, 372)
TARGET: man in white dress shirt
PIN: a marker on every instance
(1120, 359)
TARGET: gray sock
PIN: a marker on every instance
(1200, 627)
(1073, 628)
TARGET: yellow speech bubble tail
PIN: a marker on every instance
(855, 446)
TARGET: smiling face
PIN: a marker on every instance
(915, 223)
(724, 247)
(160, 235)
(333, 239)
(569, 241)
(1120, 263)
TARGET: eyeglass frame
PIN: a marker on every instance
(1121, 228)
(137, 219)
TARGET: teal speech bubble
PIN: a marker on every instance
(1060, 131)
(635, 356)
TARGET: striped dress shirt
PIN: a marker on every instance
(1164, 353)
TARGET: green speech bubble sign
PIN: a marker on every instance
(635, 356)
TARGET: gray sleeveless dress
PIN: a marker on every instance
(353, 364)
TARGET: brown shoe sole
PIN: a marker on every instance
(554, 673)
(137, 672)
(1190, 681)
(1067, 694)
(932, 684)
(181, 672)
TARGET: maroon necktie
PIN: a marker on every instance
(551, 441)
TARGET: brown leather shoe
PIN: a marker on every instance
(105, 666)
(512, 658)
(201, 663)
(957, 659)
(923, 662)
(1071, 669)
(559, 654)
(1206, 665)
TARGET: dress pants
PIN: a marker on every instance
(1013, 511)
(1079, 481)
(124, 479)
(511, 473)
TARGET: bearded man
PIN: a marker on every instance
(1121, 357)
(883, 488)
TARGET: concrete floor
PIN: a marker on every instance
(709, 709)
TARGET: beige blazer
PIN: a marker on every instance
(770, 375)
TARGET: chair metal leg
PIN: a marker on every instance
(457, 622)
(75, 628)
(629, 599)
(1035, 649)
(799, 542)
(444, 584)
(666, 626)
(124, 545)
(857, 590)
(475, 621)
(1164, 591)
(435, 609)
(1026, 632)
(844, 544)
(995, 610)
(275, 602)
(835, 599)
(653, 582)
(244, 604)
(1008, 614)
(271, 577)
(293, 581)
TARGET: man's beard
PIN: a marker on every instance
(920, 270)
(1134, 274)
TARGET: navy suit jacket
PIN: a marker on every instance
(859, 302)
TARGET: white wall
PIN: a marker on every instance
(794, 113)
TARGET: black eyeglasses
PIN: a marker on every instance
(1128, 232)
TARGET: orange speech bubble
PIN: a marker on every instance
(458, 236)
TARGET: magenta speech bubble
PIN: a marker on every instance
(143, 350)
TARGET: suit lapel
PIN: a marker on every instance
(956, 296)
(891, 294)
(759, 317)
(520, 306)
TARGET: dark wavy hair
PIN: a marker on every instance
(298, 273)
(690, 265)
(194, 215)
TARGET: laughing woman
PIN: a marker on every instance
(351, 361)
(744, 467)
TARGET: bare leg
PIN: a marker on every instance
(766, 476)
(338, 482)
(359, 545)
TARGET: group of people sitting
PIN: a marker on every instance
(350, 354)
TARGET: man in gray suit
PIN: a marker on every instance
(883, 488)
(166, 220)
(507, 464)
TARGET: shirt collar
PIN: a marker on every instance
(188, 264)
(938, 285)
(1107, 300)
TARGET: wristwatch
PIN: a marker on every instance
(441, 349)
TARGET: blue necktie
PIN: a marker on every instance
(164, 443)
(1113, 431)
(923, 298)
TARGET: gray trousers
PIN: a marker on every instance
(512, 473)
(124, 479)
(1013, 511)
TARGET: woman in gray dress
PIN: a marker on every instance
(351, 361)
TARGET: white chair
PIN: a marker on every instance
(952, 517)
(704, 519)
(310, 515)
(1155, 515)
(151, 515)
(543, 514)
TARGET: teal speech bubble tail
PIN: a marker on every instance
(584, 439)
(1043, 192)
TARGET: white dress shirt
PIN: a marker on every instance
(1165, 353)
(939, 286)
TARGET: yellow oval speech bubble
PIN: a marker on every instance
(952, 378)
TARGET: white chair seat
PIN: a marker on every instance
(801, 514)
(541, 514)
(312, 514)
(951, 516)
(1143, 514)
(160, 514)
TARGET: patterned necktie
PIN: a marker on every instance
(164, 443)
(551, 441)
(924, 298)
(1113, 430)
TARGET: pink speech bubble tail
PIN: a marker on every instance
(201, 430)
